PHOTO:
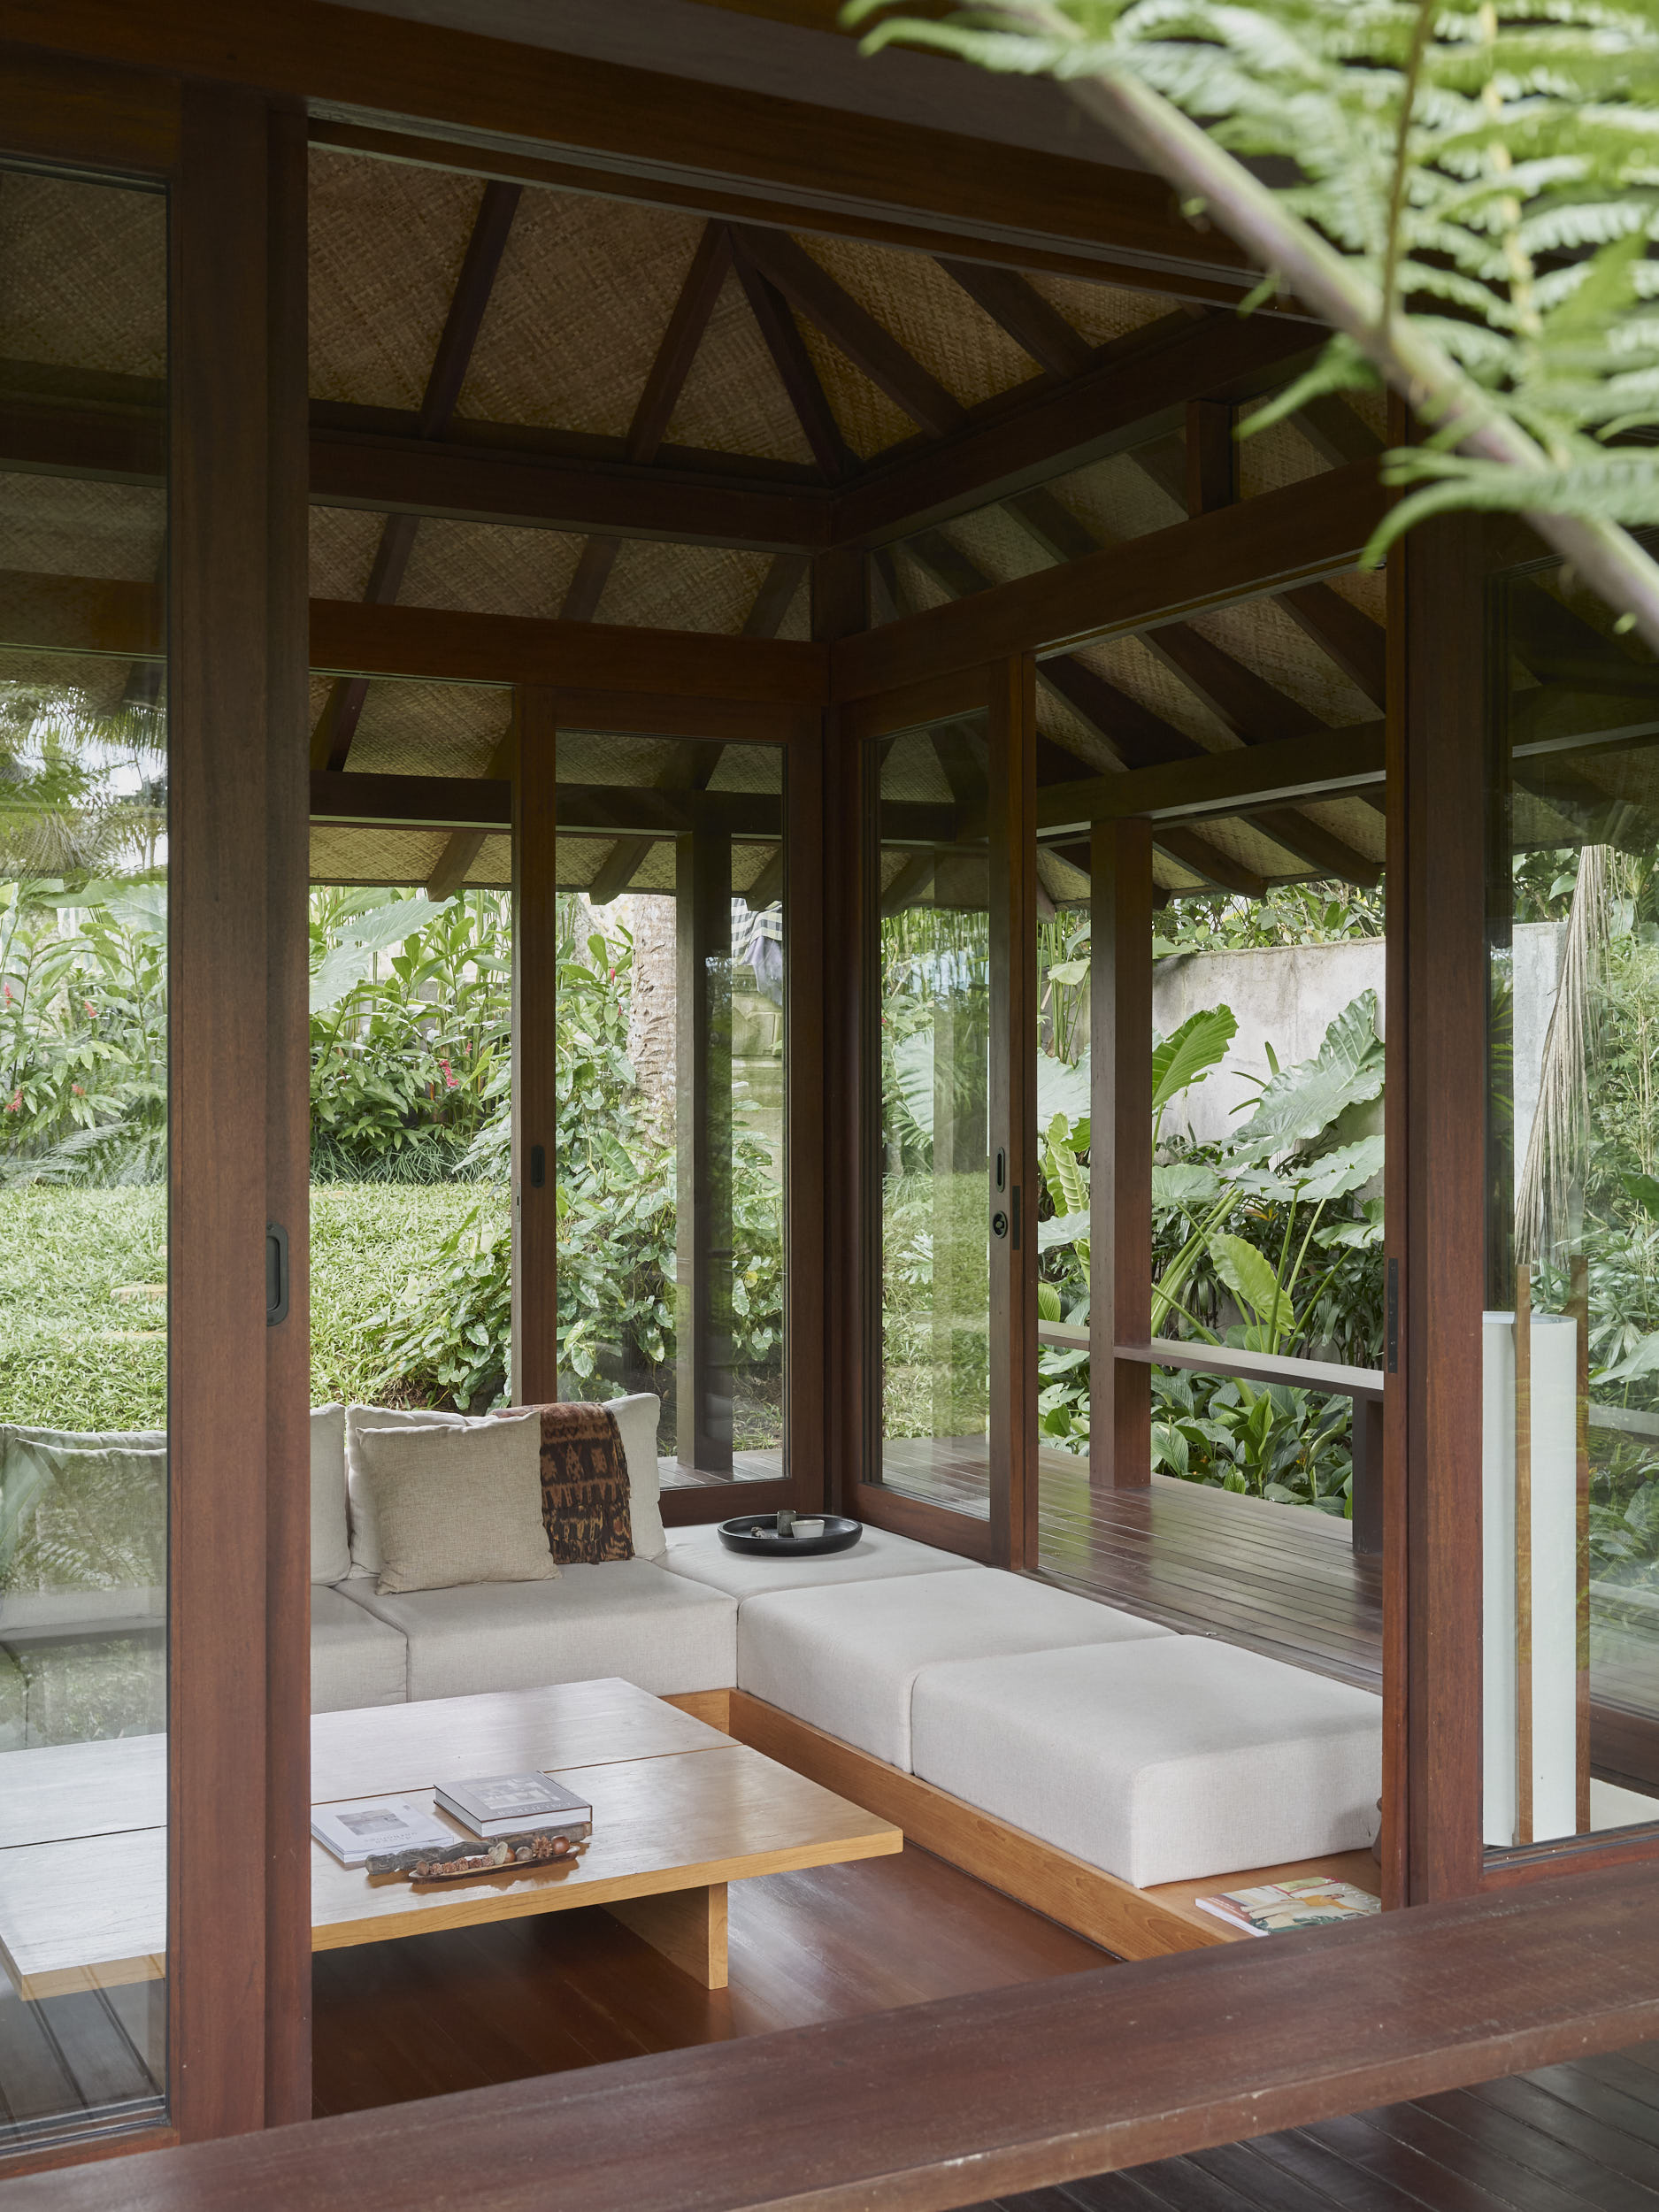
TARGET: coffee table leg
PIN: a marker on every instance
(686, 1925)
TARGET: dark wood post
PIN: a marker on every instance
(1434, 1251)
(535, 1374)
(841, 608)
(1013, 1114)
(287, 2049)
(703, 1126)
(807, 1123)
(232, 631)
(1120, 1152)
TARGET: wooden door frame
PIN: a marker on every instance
(1005, 691)
(234, 165)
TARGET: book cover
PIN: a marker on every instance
(501, 1804)
(353, 1832)
(1308, 1900)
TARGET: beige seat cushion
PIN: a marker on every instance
(356, 1659)
(458, 1505)
(845, 1656)
(1160, 1761)
(879, 1553)
(627, 1617)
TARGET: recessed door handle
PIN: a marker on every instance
(276, 1274)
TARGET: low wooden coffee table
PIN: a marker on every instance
(680, 1810)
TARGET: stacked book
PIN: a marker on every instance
(1307, 1901)
(518, 1819)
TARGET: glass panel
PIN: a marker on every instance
(1570, 1498)
(83, 1252)
(671, 1140)
(410, 1026)
(932, 996)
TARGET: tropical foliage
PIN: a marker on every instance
(1464, 195)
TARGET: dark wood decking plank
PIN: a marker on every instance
(1402, 2169)
(1502, 2176)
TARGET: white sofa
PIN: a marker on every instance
(1153, 1755)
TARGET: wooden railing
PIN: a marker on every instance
(1362, 1385)
(953, 2102)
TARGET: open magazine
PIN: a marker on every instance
(1308, 1900)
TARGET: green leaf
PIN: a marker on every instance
(1247, 1275)
(1186, 1055)
(1299, 1103)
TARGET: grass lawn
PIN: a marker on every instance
(83, 1337)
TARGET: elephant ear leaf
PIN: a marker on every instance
(1299, 1103)
(1189, 1053)
(1247, 1275)
(1645, 1191)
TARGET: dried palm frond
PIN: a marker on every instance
(1550, 1183)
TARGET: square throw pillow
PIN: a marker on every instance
(637, 1418)
(457, 1504)
(584, 1485)
(365, 1535)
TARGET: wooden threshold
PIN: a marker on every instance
(1133, 1924)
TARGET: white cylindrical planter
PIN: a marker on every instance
(1547, 1689)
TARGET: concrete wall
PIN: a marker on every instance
(1285, 995)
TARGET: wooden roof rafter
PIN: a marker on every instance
(688, 320)
(336, 725)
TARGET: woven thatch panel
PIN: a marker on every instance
(343, 543)
(61, 526)
(375, 856)
(1274, 456)
(415, 729)
(683, 586)
(912, 770)
(1365, 588)
(387, 243)
(1168, 875)
(492, 870)
(749, 768)
(750, 863)
(930, 315)
(582, 298)
(1066, 885)
(733, 400)
(997, 544)
(578, 861)
(1126, 663)
(1116, 499)
(869, 420)
(797, 621)
(1066, 726)
(83, 275)
(596, 756)
(1243, 841)
(489, 568)
(1099, 311)
(1266, 640)
(97, 680)
(917, 589)
(1354, 821)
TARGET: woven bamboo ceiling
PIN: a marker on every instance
(536, 325)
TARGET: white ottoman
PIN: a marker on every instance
(1158, 1761)
(698, 1554)
(844, 1656)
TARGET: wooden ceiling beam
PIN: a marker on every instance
(689, 769)
(776, 594)
(1303, 532)
(1241, 779)
(1218, 869)
(1137, 388)
(1201, 281)
(450, 646)
(711, 264)
(1014, 303)
(810, 289)
(586, 586)
(337, 725)
(454, 861)
(1345, 635)
(797, 369)
(484, 803)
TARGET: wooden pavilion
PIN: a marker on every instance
(535, 451)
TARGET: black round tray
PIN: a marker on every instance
(755, 1536)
